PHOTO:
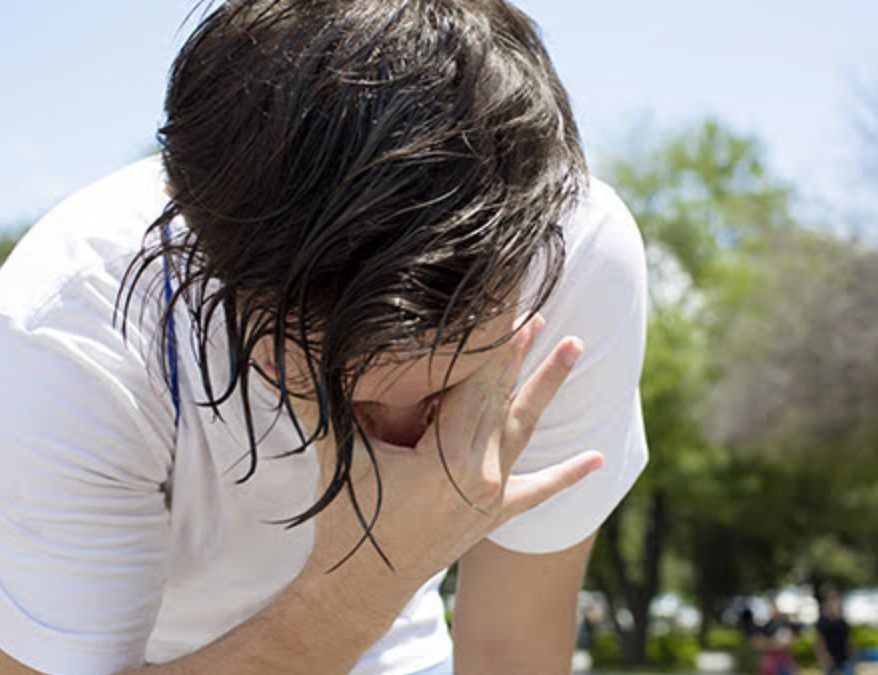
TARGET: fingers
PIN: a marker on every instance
(464, 409)
(520, 345)
(525, 491)
(534, 397)
(502, 370)
(489, 432)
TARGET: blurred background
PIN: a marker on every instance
(744, 137)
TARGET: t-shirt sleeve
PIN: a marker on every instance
(84, 528)
(602, 300)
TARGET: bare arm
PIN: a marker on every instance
(322, 623)
(515, 612)
(318, 624)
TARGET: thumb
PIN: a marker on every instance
(525, 491)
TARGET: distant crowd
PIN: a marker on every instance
(773, 639)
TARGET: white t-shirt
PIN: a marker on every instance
(121, 542)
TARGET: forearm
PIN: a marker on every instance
(528, 657)
(319, 624)
(529, 631)
(531, 644)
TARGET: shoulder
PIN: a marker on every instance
(601, 296)
(604, 251)
(70, 372)
(601, 299)
(603, 242)
(85, 241)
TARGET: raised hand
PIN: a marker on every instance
(424, 523)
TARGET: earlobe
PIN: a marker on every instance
(269, 368)
(263, 362)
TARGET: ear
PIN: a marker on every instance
(261, 355)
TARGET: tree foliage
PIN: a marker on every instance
(7, 243)
(799, 366)
(8, 240)
(759, 387)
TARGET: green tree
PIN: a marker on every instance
(7, 243)
(759, 389)
(797, 390)
(702, 198)
(8, 240)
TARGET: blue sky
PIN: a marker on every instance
(83, 82)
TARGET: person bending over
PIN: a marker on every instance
(364, 316)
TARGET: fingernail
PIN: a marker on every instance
(596, 462)
(571, 355)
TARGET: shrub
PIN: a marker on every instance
(865, 637)
(673, 650)
(605, 649)
(802, 648)
(725, 639)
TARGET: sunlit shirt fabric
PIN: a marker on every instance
(124, 541)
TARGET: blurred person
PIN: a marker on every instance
(747, 656)
(366, 315)
(747, 623)
(773, 640)
(833, 644)
(592, 618)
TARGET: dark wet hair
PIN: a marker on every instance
(355, 175)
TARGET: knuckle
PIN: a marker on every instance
(482, 391)
(526, 418)
(488, 492)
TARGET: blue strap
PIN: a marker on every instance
(171, 340)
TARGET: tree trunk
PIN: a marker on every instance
(716, 552)
(638, 596)
(705, 606)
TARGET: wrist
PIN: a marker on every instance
(363, 595)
